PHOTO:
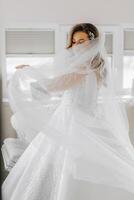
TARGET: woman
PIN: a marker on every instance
(83, 150)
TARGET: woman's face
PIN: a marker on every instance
(79, 38)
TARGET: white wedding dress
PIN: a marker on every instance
(76, 156)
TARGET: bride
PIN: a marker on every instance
(76, 125)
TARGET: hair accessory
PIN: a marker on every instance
(91, 35)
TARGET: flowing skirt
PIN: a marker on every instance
(75, 157)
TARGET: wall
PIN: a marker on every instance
(68, 11)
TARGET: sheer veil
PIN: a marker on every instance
(35, 92)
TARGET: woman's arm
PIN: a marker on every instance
(64, 82)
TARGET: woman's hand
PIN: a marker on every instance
(21, 66)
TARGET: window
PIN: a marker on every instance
(28, 47)
(128, 60)
(128, 71)
(14, 61)
(109, 46)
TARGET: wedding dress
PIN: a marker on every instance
(77, 132)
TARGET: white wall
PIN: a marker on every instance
(68, 11)
(7, 129)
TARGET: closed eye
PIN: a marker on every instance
(79, 41)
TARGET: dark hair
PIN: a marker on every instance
(87, 28)
(92, 32)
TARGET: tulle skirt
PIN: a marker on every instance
(75, 157)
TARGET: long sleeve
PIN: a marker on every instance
(64, 82)
(69, 80)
